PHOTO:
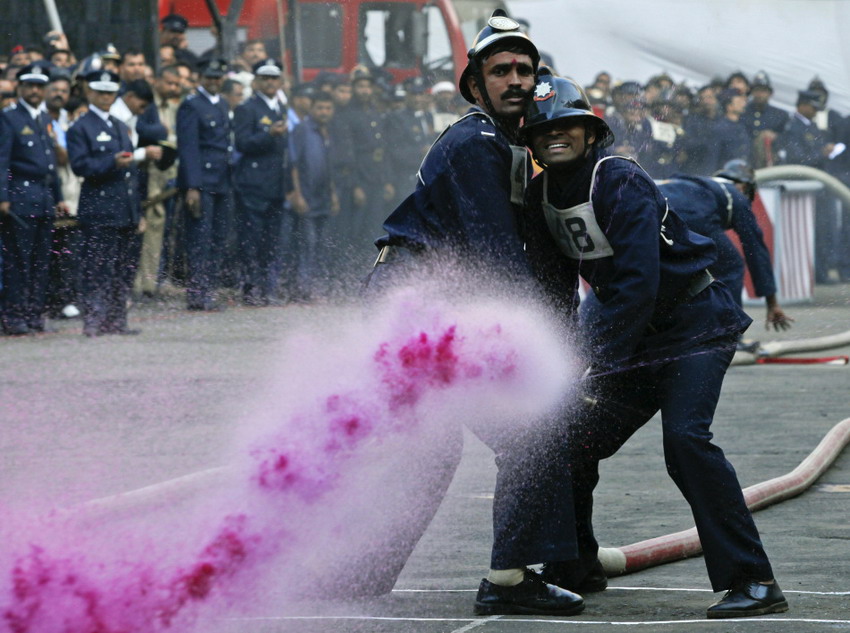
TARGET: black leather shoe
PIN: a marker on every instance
(570, 577)
(748, 598)
(533, 596)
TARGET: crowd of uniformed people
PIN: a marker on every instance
(120, 183)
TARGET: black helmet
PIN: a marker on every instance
(737, 170)
(499, 29)
(761, 80)
(560, 98)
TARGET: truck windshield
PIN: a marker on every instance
(387, 32)
(320, 29)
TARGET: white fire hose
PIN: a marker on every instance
(672, 547)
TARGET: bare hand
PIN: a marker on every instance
(193, 203)
(62, 210)
(299, 204)
(123, 159)
(4, 207)
(778, 319)
(277, 128)
(153, 152)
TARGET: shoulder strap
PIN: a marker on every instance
(443, 133)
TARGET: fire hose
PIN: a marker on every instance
(774, 349)
(680, 545)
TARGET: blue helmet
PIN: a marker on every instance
(560, 98)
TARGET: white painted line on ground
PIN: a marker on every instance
(518, 620)
(476, 624)
(683, 589)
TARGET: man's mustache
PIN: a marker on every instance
(515, 93)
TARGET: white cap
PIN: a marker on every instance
(443, 86)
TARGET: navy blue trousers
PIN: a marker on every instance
(260, 221)
(108, 260)
(686, 390)
(205, 242)
(26, 258)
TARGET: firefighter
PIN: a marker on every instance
(712, 206)
(660, 335)
(466, 203)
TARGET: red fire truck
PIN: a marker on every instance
(403, 37)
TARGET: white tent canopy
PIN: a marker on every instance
(695, 40)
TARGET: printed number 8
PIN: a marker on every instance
(577, 230)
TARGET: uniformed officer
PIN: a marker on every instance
(467, 203)
(372, 189)
(203, 146)
(30, 192)
(410, 130)
(730, 134)
(803, 143)
(762, 120)
(261, 180)
(660, 335)
(101, 151)
(712, 206)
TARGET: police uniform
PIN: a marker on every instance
(108, 214)
(699, 146)
(29, 182)
(372, 170)
(732, 141)
(261, 181)
(712, 206)
(803, 143)
(203, 147)
(410, 134)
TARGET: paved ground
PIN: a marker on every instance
(85, 419)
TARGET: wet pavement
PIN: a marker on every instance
(84, 419)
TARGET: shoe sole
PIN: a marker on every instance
(779, 607)
(512, 609)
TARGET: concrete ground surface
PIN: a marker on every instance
(85, 419)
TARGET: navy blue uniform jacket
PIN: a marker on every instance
(711, 206)
(203, 145)
(109, 196)
(462, 200)
(28, 176)
(639, 309)
(263, 167)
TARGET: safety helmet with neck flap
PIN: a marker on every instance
(558, 98)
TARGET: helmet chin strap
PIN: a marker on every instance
(512, 130)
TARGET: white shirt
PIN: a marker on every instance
(273, 102)
(122, 112)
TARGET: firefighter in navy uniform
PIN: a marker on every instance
(29, 195)
(261, 181)
(659, 333)
(203, 176)
(467, 203)
(109, 212)
(712, 206)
